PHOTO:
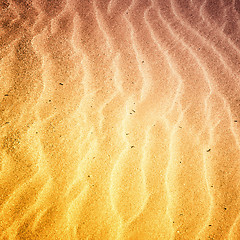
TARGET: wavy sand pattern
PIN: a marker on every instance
(120, 119)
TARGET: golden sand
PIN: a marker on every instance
(120, 120)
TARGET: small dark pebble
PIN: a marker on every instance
(235, 120)
(61, 83)
(180, 127)
(142, 61)
(127, 133)
(225, 208)
(210, 225)
(88, 175)
(209, 150)
(6, 95)
(132, 146)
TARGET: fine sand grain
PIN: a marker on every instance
(119, 120)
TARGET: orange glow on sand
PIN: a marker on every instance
(120, 120)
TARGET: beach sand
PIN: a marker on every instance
(120, 120)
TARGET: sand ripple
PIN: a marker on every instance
(120, 119)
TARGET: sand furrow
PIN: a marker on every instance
(102, 26)
(169, 61)
(119, 119)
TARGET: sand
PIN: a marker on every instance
(120, 120)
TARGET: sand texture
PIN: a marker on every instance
(119, 119)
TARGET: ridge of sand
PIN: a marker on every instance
(119, 119)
